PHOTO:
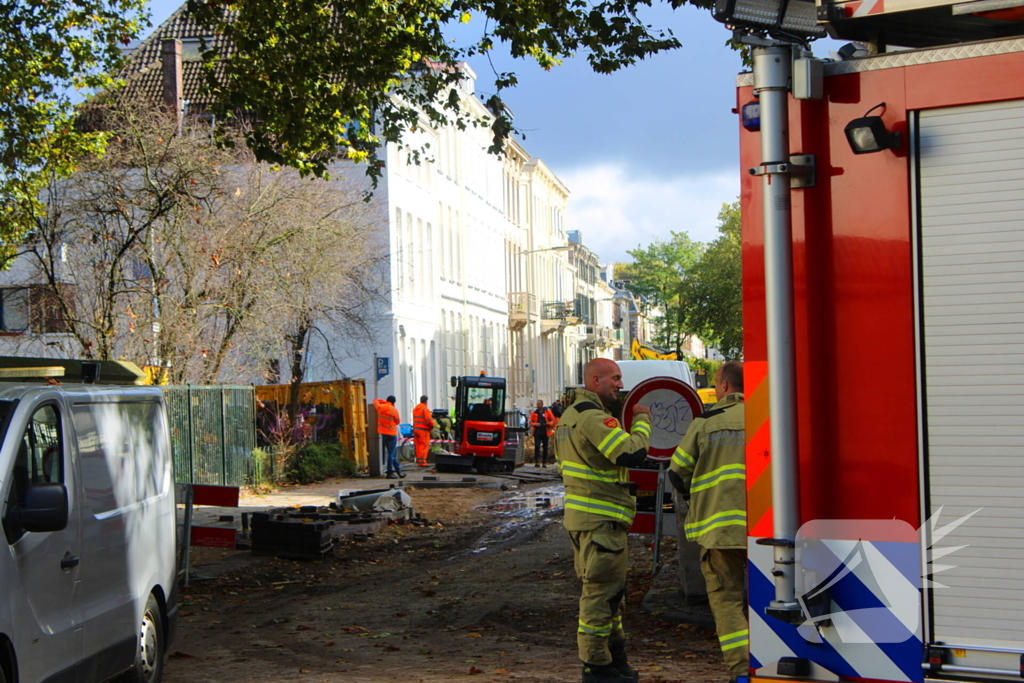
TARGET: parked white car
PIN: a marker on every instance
(636, 371)
(88, 516)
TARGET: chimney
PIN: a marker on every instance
(170, 67)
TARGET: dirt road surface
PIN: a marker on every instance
(482, 593)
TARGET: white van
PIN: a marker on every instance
(88, 575)
(636, 371)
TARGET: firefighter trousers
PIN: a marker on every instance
(600, 557)
(421, 439)
(724, 572)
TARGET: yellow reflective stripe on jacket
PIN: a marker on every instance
(732, 640)
(683, 459)
(709, 479)
(724, 518)
(642, 427)
(574, 469)
(584, 627)
(599, 507)
(614, 438)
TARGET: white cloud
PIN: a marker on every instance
(617, 210)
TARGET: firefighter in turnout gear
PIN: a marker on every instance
(709, 469)
(593, 453)
(422, 423)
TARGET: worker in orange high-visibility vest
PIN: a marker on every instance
(543, 422)
(422, 423)
(387, 426)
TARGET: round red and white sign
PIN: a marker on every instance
(673, 404)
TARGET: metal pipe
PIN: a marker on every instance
(956, 669)
(658, 522)
(531, 374)
(772, 78)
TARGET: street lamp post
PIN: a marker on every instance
(780, 32)
(531, 380)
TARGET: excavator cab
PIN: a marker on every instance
(479, 430)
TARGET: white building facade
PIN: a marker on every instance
(472, 235)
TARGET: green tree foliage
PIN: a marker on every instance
(695, 287)
(714, 290)
(322, 78)
(340, 77)
(710, 367)
(660, 273)
(51, 48)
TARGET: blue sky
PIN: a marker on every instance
(646, 151)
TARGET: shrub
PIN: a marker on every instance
(711, 366)
(318, 461)
(261, 468)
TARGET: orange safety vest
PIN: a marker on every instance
(387, 417)
(421, 418)
(549, 419)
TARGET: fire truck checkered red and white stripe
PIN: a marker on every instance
(863, 9)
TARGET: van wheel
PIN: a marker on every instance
(149, 658)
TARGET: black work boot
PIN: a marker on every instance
(620, 661)
(603, 673)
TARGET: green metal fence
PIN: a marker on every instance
(213, 433)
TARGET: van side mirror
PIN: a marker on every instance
(455, 381)
(45, 509)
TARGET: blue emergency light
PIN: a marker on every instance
(750, 116)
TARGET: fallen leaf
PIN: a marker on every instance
(501, 671)
(303, 627)
(474, 670)
(329, 644)
(474, 635)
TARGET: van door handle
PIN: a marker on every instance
(68, 562)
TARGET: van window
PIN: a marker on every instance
(40, 458)
(105, 450)
(146, 424)
(123, 460)
(40, 453)
(6, 409)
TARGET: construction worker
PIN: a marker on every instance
(542, 423)
(593, 452)
(387, 426)
(709, 469)
(422, 423)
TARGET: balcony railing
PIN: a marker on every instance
(598, 336)
(557, 315)
(521, 305)
(560, 310)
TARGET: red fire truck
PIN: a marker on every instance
(906, 266)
